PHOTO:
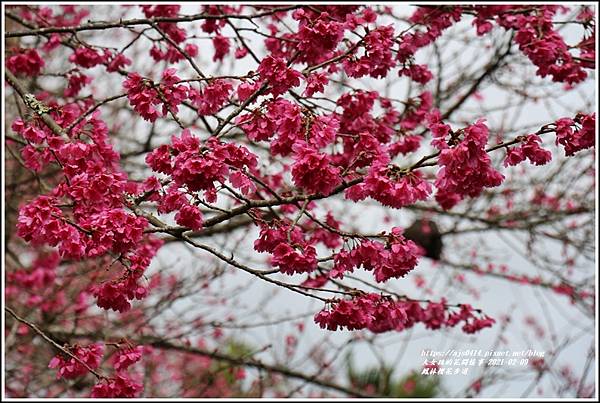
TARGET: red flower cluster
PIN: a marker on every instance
(315, 82)
(118, 386)
(173, 31)
(378, 58)
(212, 98)
(296, 259)
(381, 314)
(117, 62)
(317, 35)
(245, 89)
(538, 40)
(42, 223)
(417, 72)
(172, 54)
(88, 57)
(222, 45)
(66, 15)
(357, 119)
(210, 25)
(98, 223)
(466, 168)
(143, 94)
(313, 171)
(39, 276)
(291, 253)
(258, 126)
(394, 259)
(436, 20)
(127, 357)
(390, 186)
(189, 216)
(416, 111)
(531, 150)
(31, 133)
(116, 294)
(279, 76)
(579, 139)
(369, 311)
(289, 122)
(70, 368)
(323, 130)
(286, 120)
(114, 230)
(26, 62)
(198, 168)
(76, 81)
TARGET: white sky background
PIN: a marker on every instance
(498, 297)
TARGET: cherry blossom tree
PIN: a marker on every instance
(211, 200)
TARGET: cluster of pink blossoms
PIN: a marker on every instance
(394, 259)
(212, 98)
(143, 94)
(70, 368)
(40, 275)
(127, 357)
(172, 31)
(95, 185)
(573, 134)
(26, 62)
(282, 118)
(278, 75)
(116, 294)
(88, 57)
(530, 149)
(417, 110)
(117, 386)
(259, 126)
(76, 81)
(85, 216)
(120, 385)
(313, 171)
(465, 168)
(198, 166)
(390, 186)
(435, 20)
(315, 82)
(378, 58)
(65, 16)
(33, 286)
(221, 43)
(381, 314)
(96, 223)
(357, 118)
(537, 39)
(42, 223)
(317, 37)
(290, 252)
(580, 138)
